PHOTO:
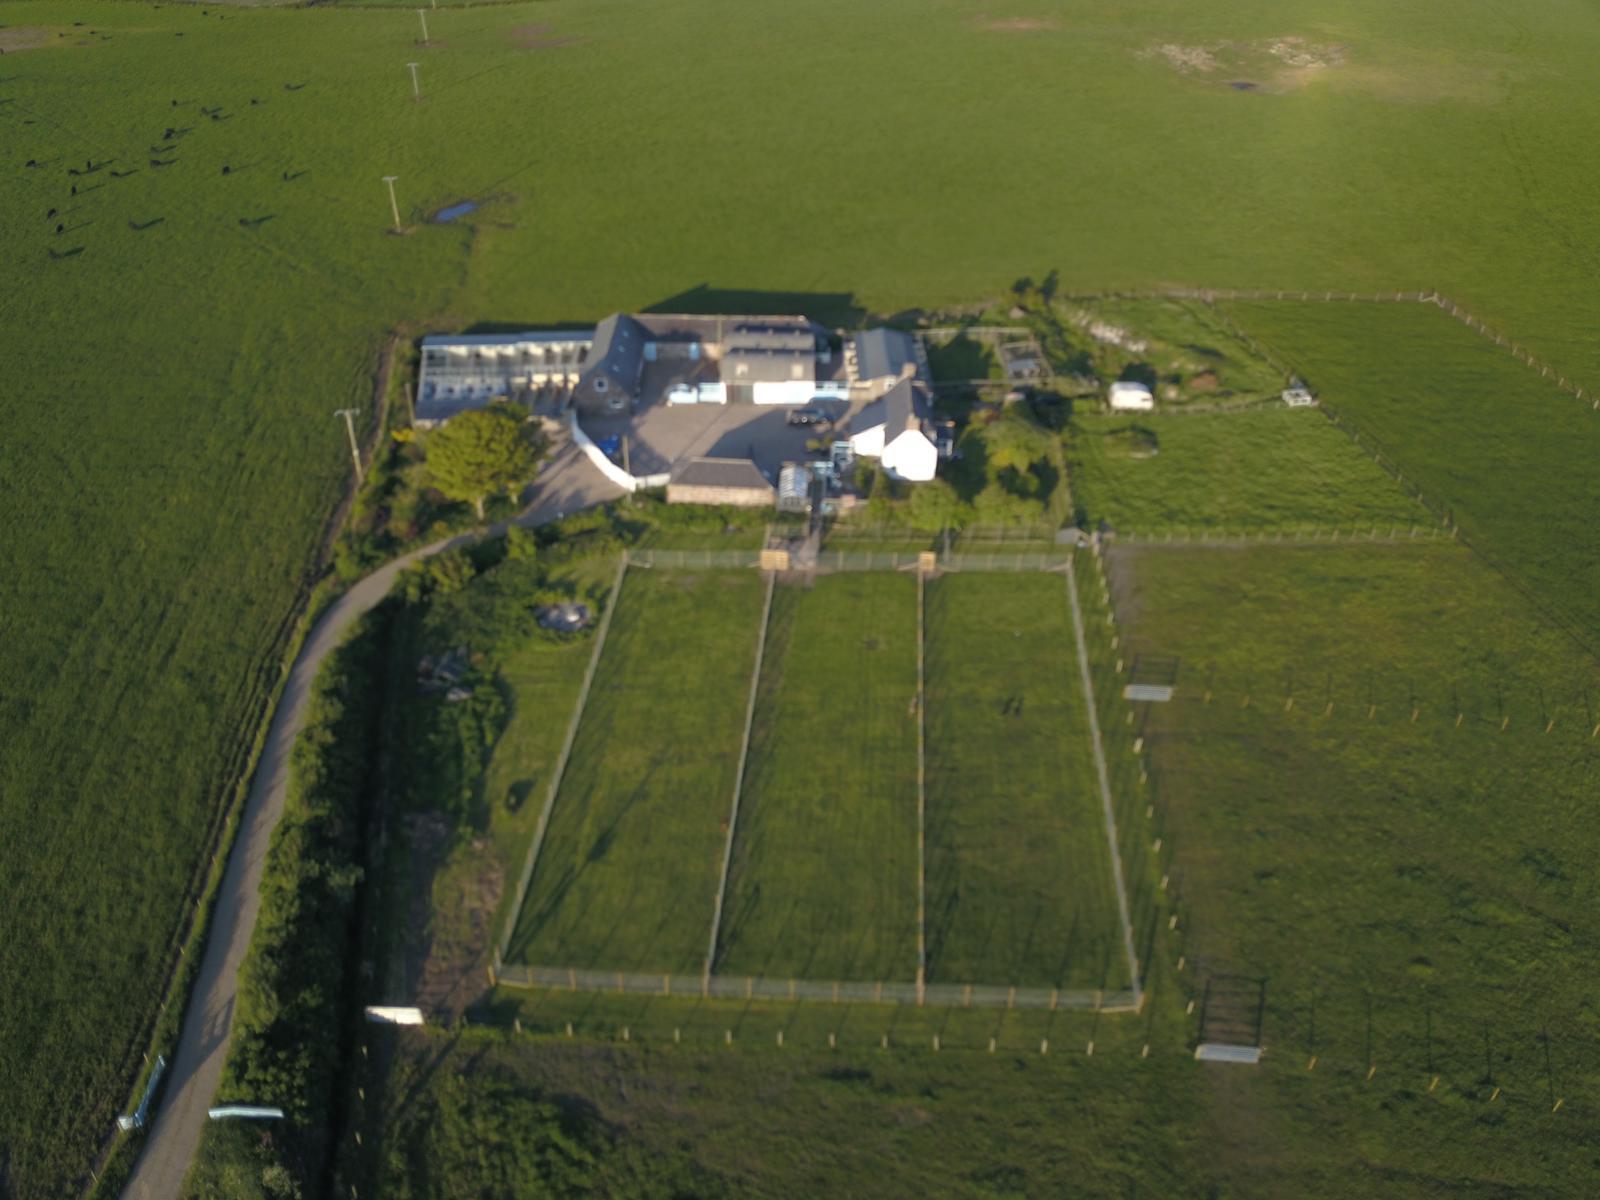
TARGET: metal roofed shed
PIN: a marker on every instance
(794, 488)
(732, 481)
(1298, 396)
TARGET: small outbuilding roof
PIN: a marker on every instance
(720, 472)
(884, 352)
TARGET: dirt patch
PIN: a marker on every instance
(450, 921)
(22, 37)
(540, 37)
(1186, 60)
(1016, 24)
(1297, 52)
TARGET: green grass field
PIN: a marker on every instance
(824, 883)
(627, 876)
(1019, 883)
(1410, 884)
(172, 454)
(1506, 452)
(1262, 470)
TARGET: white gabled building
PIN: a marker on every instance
(1126, 395)
(891, 430)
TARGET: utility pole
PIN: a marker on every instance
(422, 15)
(350, 427)
(416, 90)
(394, 205)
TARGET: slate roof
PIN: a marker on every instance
(883, 352)
(896, 409)
(720, 472)
(618, 348)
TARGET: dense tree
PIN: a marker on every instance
(484, 453)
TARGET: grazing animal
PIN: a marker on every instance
(226, 168)
(51, 213)
(74, 189)
(33, 162)
(158, 162)
(61, 228)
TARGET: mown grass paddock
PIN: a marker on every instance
(1270, 469)
(821, 898)
(1498, 449)
(1019, 882)
(824, 875)
(627, 876)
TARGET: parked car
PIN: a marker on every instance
(809, 415)
(682, 393)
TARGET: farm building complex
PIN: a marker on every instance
(688, 393)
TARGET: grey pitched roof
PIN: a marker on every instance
(618, 348)
(882, 352)
(896, 409)
(720, 472)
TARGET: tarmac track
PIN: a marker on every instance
(568, 482)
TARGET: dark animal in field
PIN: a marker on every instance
(33, 162)
(51, 213)
(226, 169)
(253, 100)
(139, 227)
(174, 104)
(74, 189)
(61, 228)
(74, 171)
(162, 162)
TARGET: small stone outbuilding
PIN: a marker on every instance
(732, 481)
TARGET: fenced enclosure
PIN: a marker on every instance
(751, 987)
(581, 906)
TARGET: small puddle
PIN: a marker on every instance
(445, 215)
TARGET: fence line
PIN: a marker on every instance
(753, 987)
(1471, 320)
(858, 560)
(514, 913)
(922, 792)
(738, 778)
(1123, 912)
(1314, 535)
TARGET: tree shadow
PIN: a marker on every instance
(257, 222)
(141, 226)
(73, 253)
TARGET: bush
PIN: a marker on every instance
(293, 983)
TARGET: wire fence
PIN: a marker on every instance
(753, 987)
(857, 560)
(1305, 535)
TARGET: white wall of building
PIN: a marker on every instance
(788, 391)
(911, 456)
(869, 442)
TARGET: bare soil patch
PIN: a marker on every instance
(22, 37)
(540, 37)
(450, 923)
(1016, 24)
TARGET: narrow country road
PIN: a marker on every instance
(567, 483)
